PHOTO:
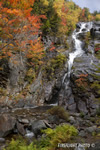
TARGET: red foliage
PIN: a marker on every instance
(64, 22)
(52, 47)
(97, 49)
(83, 13)
(64, 9)
(19, 29)
(82, 80)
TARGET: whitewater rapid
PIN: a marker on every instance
(84, 27)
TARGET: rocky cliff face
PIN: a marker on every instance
(79, 96)
(16, 90)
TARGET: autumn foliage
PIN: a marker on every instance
(23, 23)
(81, 82)
(19, 30)
(97, 48)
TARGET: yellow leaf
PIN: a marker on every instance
(11, 45)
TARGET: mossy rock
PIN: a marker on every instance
(53, 65)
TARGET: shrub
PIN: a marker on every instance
(30, 75)
(54, 64)
(81, 114)
(19, 144)
(97, 48)
(59, 111)
(61, 134)
(87, 39)
(82, 82)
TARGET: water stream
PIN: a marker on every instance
(84, 27)
(78, 51)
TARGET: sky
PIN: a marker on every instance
(91, 4)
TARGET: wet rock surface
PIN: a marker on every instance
(77, 95)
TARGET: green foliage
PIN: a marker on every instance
(96, 85)
(97, 17)
(42, 144)
(86, 13)
(87, 38)
(30, 75)
(98, 111)
(62, 16)
(19, 144)
(59, 111)
(61, 134)
(45, 7)
(81, 114)
(53, 65)
(96, 12)
(67, 45)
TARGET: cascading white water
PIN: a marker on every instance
(85, 27)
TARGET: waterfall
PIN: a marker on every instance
(77, 52)
(84, 27)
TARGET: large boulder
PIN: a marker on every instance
(37, 126)
(7, 124)
(20, 128)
